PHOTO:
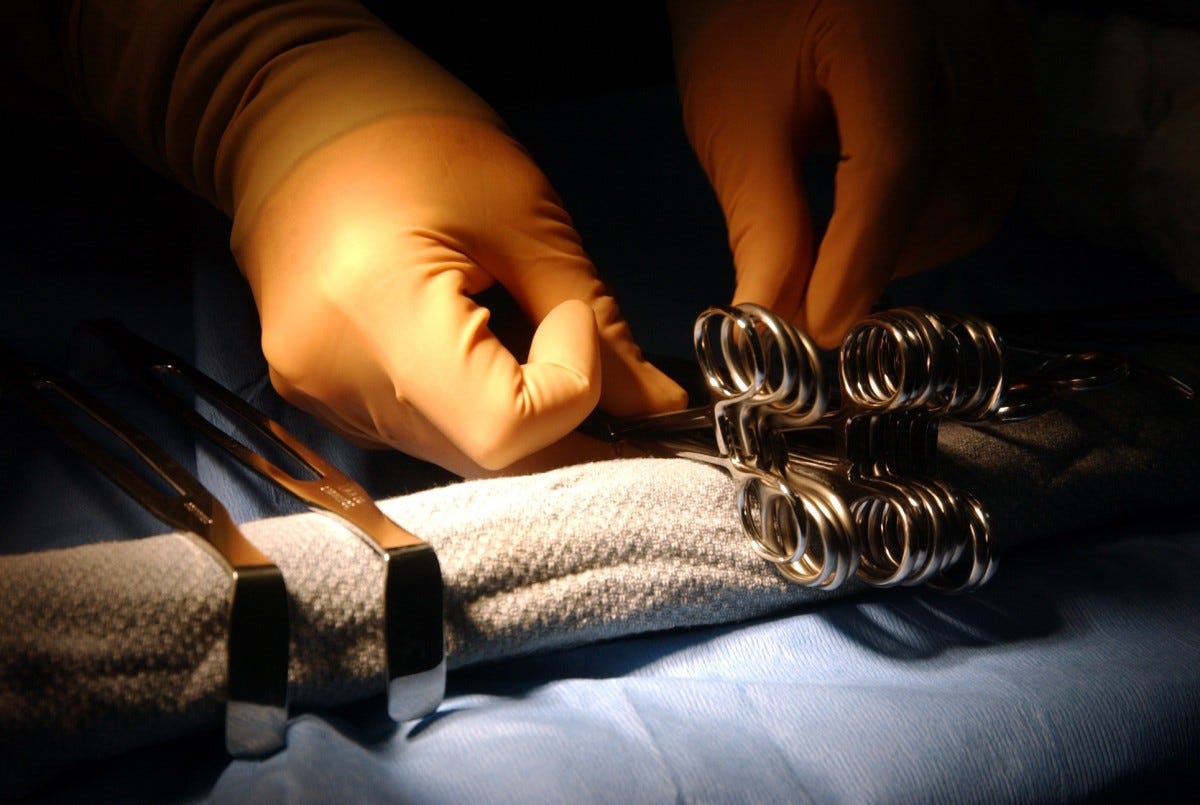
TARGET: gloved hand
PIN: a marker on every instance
(372, 194)
(927, 101)
(363, 260)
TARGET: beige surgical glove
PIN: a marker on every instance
(372, 194)
(930, 108)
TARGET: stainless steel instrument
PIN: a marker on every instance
(412, 588)
(259, 627)
(838, 479)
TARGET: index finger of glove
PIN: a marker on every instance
(451, 368)
(876, 63)
(534, 251)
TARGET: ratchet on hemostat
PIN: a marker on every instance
(259, 625)
(412, 589)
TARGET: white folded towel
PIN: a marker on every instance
(109, 646)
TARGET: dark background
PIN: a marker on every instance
(86, 232)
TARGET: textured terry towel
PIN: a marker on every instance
(109, 646)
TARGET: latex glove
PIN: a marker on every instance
(371, 195)
(931, 109)
(363, 261)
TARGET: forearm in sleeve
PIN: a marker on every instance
(227, 96)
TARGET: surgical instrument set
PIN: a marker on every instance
(411, 595)
(412, 587)
(838, 478)
(259, 618)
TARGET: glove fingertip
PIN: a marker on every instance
(552, 392)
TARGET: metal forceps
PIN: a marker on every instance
(412, 590)
(761, 374)
(959, 366)
(905, 369)
(874, 517)
(905, 359)
(865, 506)
(1045, 338)
(900, 372)
(912, 528)
(793, 520)
(257, 696)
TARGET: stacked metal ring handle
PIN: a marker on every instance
(906, 358)
(871, 505)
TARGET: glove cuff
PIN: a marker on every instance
(226, 96)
